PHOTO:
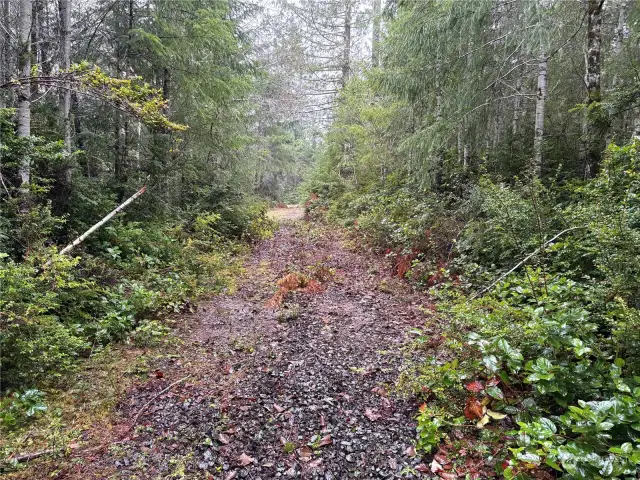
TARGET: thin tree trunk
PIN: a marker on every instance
(541, 97)
(375, 37)
(4, 53)
(635, 136)
(592, 81)
(466, 155)
(112, 214)
(65, 64)
(619, 35)
(440, 152)
(346, 45)
(517, 106)
(24, 91)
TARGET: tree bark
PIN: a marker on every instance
(65, 64)
(4, 52)
(517, 106)
(541, 97)
(346, 45)
(592, 80)
(619, 35)
(375, 36)
(24, 91)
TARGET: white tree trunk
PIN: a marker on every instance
(517, 106)
(24, 92)
(375, 35)
(65, 64)
(619, 35)
(5, 38)
(541, 97)
(635, 136)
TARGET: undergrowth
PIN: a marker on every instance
(537, 364)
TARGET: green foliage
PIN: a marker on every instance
(129, 94)
(19, 407)
(428, 430)
(55, 313)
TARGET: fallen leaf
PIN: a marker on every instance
(483, 421)
(422, 468)
(316, 463)
(447, 476)
(475, 386)
(231, 475)
(496, 415)
(323, 422)
(410, 451)
(435, 467)
(223, 439)
(278, 408)
(393, 465)
(473, 408)
(441, 459)
(380, 391)
(371, 414)
(324, 441)
(159, 373)
(305, 452)
(244, 460)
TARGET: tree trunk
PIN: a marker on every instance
(375, 37)
(541, 97)
(517, 106)
(619, 35)
(346, 45)
(5, 38)
(592, 80)
(24, 91)
(65, 64)
(440, 153)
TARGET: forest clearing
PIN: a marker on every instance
(323, 239)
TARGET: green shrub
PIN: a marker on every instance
(19, 407)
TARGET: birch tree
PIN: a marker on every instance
(24, 91)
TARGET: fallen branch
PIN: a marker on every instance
(146, 405)
(25, 457)
(113, 213)
(523, 261)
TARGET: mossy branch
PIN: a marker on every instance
(130, 95)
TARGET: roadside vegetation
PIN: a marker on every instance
(532, 268)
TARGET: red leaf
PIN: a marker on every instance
(492, 382)
(475, 386)
(441, 459)
(422, 468)
(326, 440)
(278, 408)
(447, 476)
(159, 374)
(473, 408)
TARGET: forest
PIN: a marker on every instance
(320, 239)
